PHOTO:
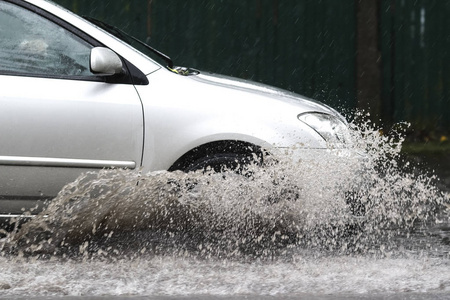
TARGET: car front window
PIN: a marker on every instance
(34, 45)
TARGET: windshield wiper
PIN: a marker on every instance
(126, 37)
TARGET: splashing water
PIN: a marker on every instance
(349, 207)
(343, 204)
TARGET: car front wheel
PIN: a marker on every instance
(221, 162)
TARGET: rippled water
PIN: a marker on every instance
(343, 225)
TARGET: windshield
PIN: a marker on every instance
(132, 41)
(143, 47)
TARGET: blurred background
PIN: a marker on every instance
(390, 58)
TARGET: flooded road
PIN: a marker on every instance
(341, 228)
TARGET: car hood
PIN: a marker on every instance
(265, 90)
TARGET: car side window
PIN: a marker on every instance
(33, 45)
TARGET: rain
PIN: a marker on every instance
(373, 225)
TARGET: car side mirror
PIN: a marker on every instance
(105, 62)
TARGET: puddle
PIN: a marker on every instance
(341, 225)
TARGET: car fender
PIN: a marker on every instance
(181, 114)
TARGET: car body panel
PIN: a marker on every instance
(95, 125)
(52, 129)
(197, 111)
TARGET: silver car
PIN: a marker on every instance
(76, 95)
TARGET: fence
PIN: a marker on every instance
(415, 44)
(306, 46)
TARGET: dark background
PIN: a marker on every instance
(388, 57)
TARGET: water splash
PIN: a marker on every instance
(340, 204)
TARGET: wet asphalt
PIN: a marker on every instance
(439, 164)
(403, 296)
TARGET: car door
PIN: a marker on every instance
(57, 119)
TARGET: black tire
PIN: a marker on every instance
(236, 162)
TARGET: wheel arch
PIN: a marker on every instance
(217, 147)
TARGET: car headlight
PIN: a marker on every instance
(333, 130)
